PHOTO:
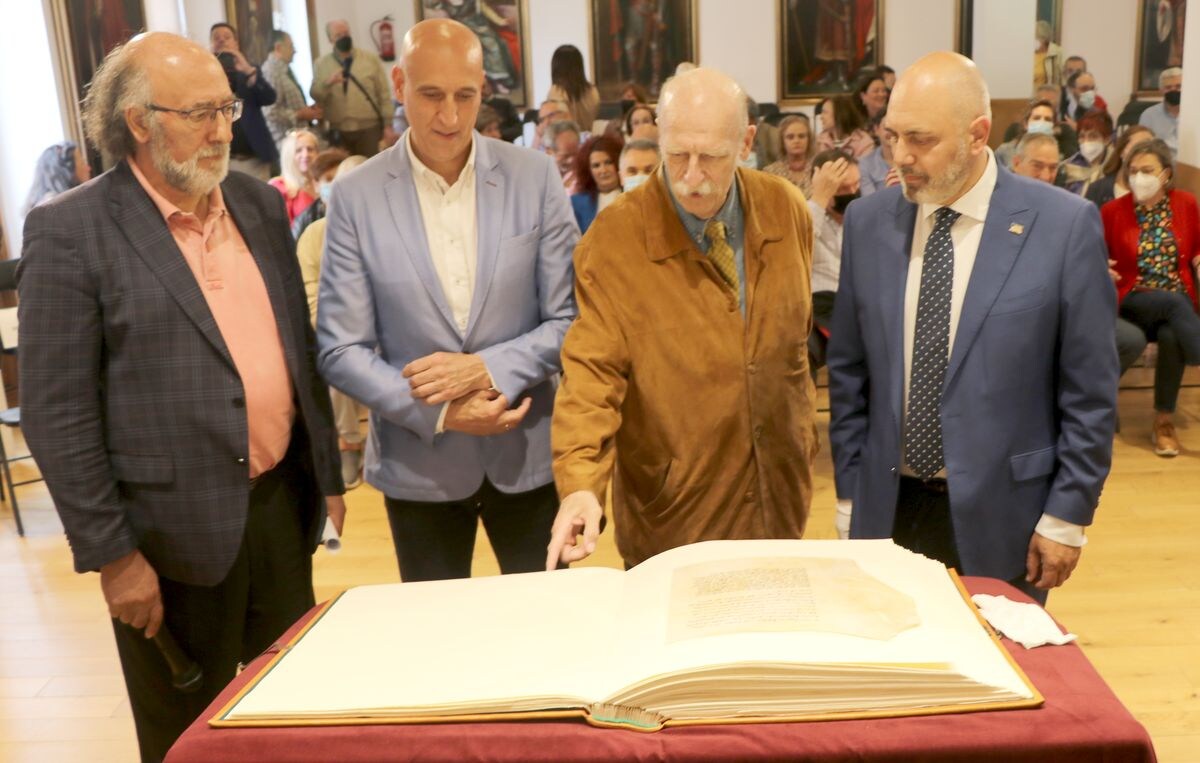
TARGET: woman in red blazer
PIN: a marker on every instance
(1153, 237)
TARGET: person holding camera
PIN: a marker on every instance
(253, 149)
(352, 87)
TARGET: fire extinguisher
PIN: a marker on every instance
(381, 33)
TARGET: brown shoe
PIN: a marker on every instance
(1166, 444)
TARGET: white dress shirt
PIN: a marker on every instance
(448, 212)
(827, 249)
(965, 234)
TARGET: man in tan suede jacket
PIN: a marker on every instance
(687, 367)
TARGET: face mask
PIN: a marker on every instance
(344, 44)
(1040, 128)
(1088, 99)
(1144, 187)
(326, 191)
(1171, 97)
(633, 181)
(1091, 149)
(842, 200)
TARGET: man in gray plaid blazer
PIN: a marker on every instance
(169, 390)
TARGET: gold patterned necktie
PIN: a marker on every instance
(721, 253)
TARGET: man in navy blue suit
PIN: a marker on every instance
(972, 365)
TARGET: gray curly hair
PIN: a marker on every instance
(118, 84)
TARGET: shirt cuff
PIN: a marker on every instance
(441, 422)
(1061, 531)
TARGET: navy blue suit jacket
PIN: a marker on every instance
(1030, 392)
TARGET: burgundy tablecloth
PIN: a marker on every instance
(1082, 720)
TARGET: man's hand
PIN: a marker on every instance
(484, 412)
(1113, 274)
(240, 63)
(826, 180)
(579, 512)
(335, 507)
(1048, 564)
(445, 376)
(892, 178)
(130, 587)
(337, 78)
(309, 113)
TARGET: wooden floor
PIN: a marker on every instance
(1134, 602)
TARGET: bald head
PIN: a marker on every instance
(172, 64)
(947, 81)
(703, 93)
(442, 37)
(439, 79)
(938, 121)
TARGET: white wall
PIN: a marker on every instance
(30, 119)
(1002, 45)
(1104, 32)
(553, 23)
(739, 38)
(916, 27)
(164, 16)
(1189, 105)
(198, 17)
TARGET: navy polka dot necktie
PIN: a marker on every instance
(931, 351)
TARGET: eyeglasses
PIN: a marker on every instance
(232, 111)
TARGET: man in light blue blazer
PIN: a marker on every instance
(446, 290)
(972, 365)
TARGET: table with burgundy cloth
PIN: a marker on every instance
(1082, 720)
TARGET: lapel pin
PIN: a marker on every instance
(1016, 229)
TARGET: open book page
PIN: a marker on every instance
(817, 602)
(437, 647)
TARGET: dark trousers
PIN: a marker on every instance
(822, 310)
(435, 541)
(1170, 319)
(924, 525)
(268, 588)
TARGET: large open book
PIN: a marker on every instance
(714, 632)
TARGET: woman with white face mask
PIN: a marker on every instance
(1086, 166)
(1153, 237)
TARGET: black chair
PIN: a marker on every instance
(11, 417)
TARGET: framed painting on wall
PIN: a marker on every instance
(640, 41)
(826, 45)
(253, 22)
(1160, 42)
(501, 26)
(84, 33)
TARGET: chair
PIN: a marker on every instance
(11, 417)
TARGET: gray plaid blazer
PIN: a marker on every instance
(130, 401)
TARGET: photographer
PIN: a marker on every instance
(253, 149)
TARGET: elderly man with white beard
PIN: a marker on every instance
(169, 392)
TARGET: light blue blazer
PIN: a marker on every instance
(1030, 392)
(381, 306)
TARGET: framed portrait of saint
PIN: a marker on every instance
(84, 33)
(1160, 42)
(501, 26)
(253, 21)
(826, 45)
(640, 42)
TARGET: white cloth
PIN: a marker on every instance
(827, 249)
(448, 212)
(604, 199)
(966, 234)
(1027, 624)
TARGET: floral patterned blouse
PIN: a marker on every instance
(1158, 253)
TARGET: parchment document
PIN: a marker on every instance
(785, 594)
